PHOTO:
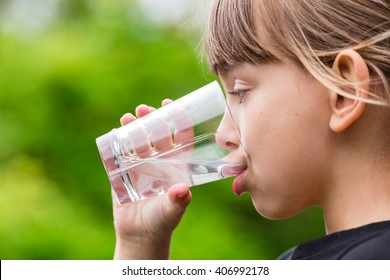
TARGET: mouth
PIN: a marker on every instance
(236, 169)
(239, 170)
(238, 186)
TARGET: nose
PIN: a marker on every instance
(227, 135)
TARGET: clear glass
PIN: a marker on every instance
(173, 144)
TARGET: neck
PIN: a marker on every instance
(359, 196)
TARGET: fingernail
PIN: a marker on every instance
(182, 195)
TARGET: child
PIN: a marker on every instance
(307, 84)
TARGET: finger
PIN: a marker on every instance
(180, 194)
(184, 127)
(179, 197)
(160, 134)
(118, 192)
(140, 141)
(166, 101)
(167, 210)
(143, 110)
(127, 118)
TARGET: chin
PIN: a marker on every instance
(273, 211)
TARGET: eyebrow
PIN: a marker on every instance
(236, 69)
(230, 70)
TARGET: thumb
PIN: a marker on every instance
(176, 202)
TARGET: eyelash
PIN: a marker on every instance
(240, 93)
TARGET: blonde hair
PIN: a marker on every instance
(308, 32)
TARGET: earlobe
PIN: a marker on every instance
(345, 112)
(348, 108)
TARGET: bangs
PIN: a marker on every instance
(232, 36)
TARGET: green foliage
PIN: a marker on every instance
(62, 87)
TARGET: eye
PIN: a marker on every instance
(240, 93)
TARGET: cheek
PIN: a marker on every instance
(287, 158)
(258, 130)
(284, 142)
(282, 128)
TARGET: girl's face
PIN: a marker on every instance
(282, 116)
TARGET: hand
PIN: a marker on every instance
(167, 138)
(144, 228)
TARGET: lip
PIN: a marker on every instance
(232, 169)
(238, 183)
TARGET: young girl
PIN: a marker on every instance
(307, 83)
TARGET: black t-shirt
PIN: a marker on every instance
(369, 242)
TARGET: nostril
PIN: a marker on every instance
(231, 144)
(224, 141)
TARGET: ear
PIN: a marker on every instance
(350, 66)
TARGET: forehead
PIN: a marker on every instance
(242, 69)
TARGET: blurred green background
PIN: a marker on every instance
(68, 70)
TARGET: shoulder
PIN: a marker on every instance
(374, 247)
